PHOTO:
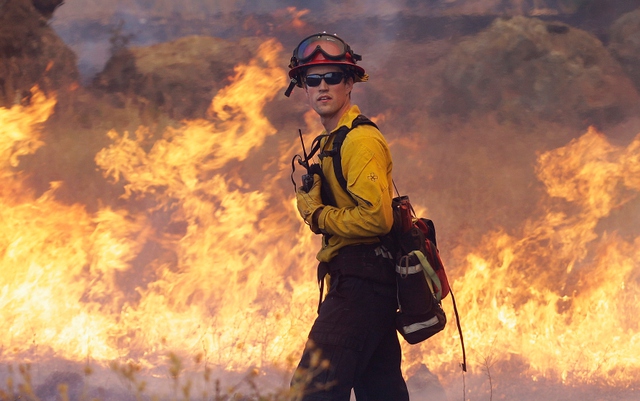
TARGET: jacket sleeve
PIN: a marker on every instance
(366, 165)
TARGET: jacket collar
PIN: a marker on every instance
(348, 117)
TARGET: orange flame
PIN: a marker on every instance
(296, 15)
(223, 289)
(43, 255)
(18, 129)
(220, 296)
(559, 295)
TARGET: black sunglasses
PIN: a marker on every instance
(331, 78)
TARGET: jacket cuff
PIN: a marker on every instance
(321, 219)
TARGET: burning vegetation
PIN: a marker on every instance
(148, 229)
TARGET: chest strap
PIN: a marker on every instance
(338, 138)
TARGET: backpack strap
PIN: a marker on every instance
(339, 136)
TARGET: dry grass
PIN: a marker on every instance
(20, 385)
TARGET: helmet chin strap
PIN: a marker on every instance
(292, 84)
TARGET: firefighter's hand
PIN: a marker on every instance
(310, 204)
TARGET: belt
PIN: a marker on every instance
(340, 265)
(365, 250)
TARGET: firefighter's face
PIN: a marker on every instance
(328, 99)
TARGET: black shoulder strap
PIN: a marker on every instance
(338, 139)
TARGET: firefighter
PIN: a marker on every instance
(353, 342)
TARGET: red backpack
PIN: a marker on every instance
(420, 275)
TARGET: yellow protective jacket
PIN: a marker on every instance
(365, 213)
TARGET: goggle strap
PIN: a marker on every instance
(319, 49)
(292, 84)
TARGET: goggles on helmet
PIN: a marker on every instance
(331, 47)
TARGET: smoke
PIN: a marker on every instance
(87, 25)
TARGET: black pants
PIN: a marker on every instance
(355, 335)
